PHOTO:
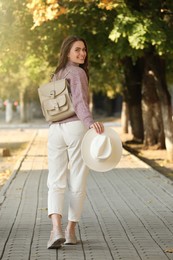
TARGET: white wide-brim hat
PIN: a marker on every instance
(101, 152)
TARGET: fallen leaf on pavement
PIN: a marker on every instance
(170, 250)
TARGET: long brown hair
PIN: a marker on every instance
(64, 51)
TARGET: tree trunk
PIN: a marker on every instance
(133, 76)
(23, 117)
(124, 118)
(158, 70)
(153, 124)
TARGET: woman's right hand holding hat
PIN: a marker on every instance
(98, 127)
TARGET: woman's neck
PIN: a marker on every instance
(72, 63)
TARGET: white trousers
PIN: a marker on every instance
(66, 168)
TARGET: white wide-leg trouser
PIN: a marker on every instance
(66, 167)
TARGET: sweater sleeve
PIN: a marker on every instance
(80, 95)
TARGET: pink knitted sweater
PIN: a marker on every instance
(77, 78)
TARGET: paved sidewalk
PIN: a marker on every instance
(128, 212)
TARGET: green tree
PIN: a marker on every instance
(143, 30)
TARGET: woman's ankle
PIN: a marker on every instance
(56, 222)
(57, 228)
(71, 227)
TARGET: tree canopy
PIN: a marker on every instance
(34, 29)
(31, 32)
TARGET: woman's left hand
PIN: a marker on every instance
(98, 126)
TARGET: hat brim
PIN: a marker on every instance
(112, 160)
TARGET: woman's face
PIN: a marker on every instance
(77, 52)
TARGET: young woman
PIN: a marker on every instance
(66, 167)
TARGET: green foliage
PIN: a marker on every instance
(141, 29)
